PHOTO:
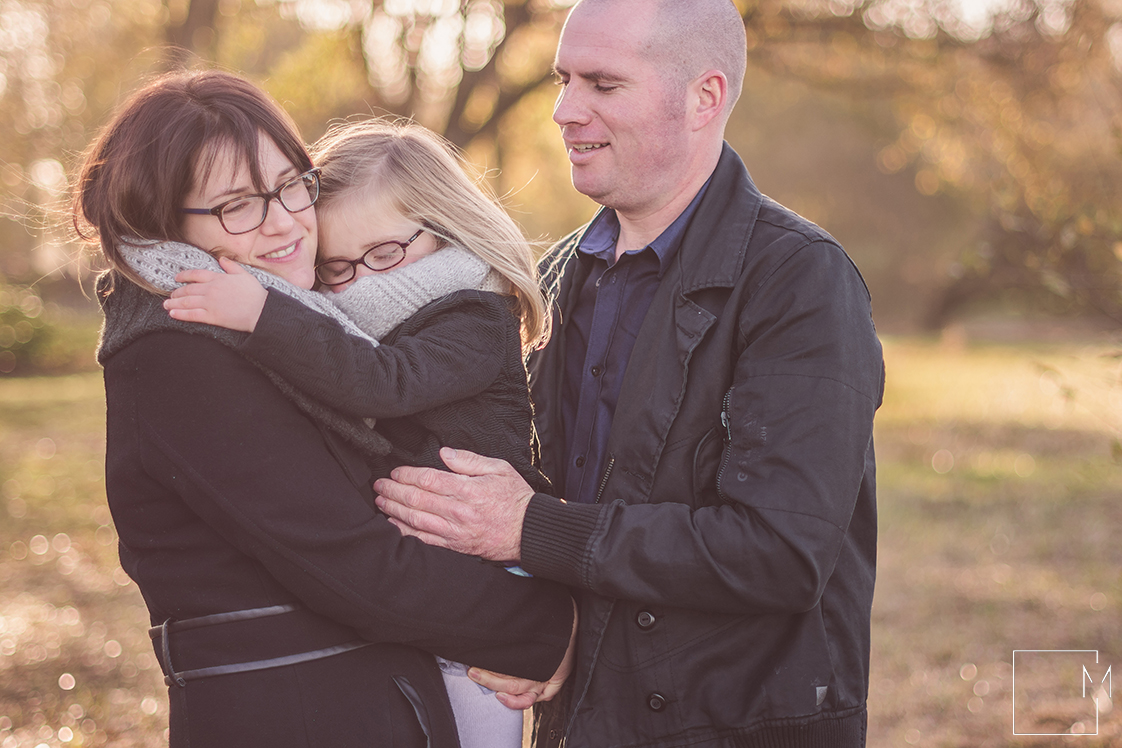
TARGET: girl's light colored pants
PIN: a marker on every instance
(482, 721)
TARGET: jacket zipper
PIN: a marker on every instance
(604, 480)
(725, 421)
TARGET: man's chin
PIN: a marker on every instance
(591, 188)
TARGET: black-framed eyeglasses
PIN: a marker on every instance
(243, 214)
(379, 257)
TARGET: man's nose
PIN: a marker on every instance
(570, 108)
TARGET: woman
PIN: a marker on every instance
(286, 611)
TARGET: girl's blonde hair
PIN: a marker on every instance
(428, 183)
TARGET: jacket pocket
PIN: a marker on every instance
(706, 461)
(725, 431)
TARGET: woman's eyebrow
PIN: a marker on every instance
(283, 176)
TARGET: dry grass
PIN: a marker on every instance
(76, 667)
(1000, 530)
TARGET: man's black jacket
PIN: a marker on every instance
(728, 565)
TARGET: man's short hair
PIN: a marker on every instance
(693, 36)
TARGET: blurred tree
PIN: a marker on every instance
(61, 67)
(1018, 115)
(190, 31)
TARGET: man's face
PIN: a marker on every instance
(621, 116)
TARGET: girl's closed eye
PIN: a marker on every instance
(367, 234)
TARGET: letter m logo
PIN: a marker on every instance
(1105, 682)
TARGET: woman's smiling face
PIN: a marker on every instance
(285, 244)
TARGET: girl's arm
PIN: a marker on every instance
(233, 299)
(450, 350)
(455, 352)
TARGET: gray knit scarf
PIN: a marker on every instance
(379, 303)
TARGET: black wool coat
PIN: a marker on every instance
(226, 497)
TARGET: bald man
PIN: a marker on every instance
(706, 412)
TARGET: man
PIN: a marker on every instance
(706, 409)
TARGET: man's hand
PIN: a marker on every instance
(477, 509)
(233, 299)
(519, 693)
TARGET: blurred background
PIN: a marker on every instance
(965, 152)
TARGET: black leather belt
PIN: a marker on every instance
(270, 637)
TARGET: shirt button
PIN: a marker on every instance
(579, 461)
(596, 371)
(656, 702)
(645, 619)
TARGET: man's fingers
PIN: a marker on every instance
(478, 515)
(408, 484)
(424, 537)
(418, 517)
(463, 462)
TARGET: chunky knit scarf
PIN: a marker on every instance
(379, 303)
(159, 263)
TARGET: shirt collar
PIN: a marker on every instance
(599, 239)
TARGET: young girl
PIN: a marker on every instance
(399, 224)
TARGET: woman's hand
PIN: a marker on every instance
(520, 693)
(233, 299)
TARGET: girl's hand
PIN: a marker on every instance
(233, 299)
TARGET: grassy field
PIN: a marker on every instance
(1001, 530)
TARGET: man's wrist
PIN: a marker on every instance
(555, 536)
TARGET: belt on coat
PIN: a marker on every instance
(242, 641)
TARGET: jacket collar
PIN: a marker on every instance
(725, 218)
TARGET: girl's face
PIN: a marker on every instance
(284, 245)
(355, 223)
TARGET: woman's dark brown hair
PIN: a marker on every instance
(137, 173)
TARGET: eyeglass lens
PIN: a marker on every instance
(246, 214)
(379, 257)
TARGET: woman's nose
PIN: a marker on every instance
(277, 219)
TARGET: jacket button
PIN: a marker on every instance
(645, 619)
(579, 461)
(656, 702)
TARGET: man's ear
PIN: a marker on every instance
(708, 96)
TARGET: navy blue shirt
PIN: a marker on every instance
(604, 321)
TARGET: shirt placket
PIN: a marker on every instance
(586, 453)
